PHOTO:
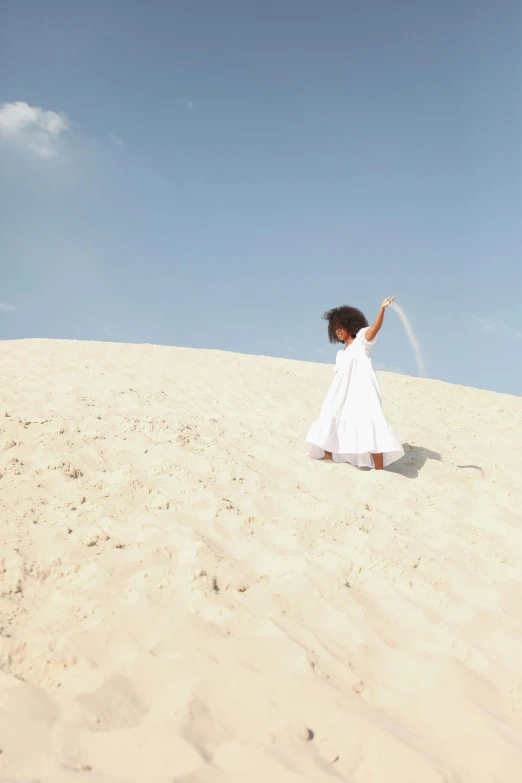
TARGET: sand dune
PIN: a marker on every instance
(184, 596)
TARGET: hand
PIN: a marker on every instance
(388, 301)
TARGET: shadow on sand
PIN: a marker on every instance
(415, 457)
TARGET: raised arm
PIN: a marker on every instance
(372, 331)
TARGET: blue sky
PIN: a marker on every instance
(217, 173)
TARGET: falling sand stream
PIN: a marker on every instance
(421, 367)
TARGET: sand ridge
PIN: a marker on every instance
(185, 596)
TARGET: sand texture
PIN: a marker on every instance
(184, 596)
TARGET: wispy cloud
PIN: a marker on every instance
(187, 104)
(115, 139)
(498, 327)
(35, 129)
(5, 307)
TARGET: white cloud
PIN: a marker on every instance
(31, 127)
(6, 308)
(498, 327)
(188, 104)
(115, 139)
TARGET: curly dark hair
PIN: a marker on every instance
(349, 318)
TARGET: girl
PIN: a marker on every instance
(351, 426)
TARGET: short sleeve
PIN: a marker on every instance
(361, 337)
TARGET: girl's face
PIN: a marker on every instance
(342, 334)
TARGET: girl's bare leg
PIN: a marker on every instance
(327, 455)
(377, 461)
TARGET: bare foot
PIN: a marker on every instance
(327, 455)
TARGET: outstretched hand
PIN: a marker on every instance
(371, 332)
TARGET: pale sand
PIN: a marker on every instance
(186, 597)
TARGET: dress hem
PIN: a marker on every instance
(361, 459)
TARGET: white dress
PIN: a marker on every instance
(351, 424)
